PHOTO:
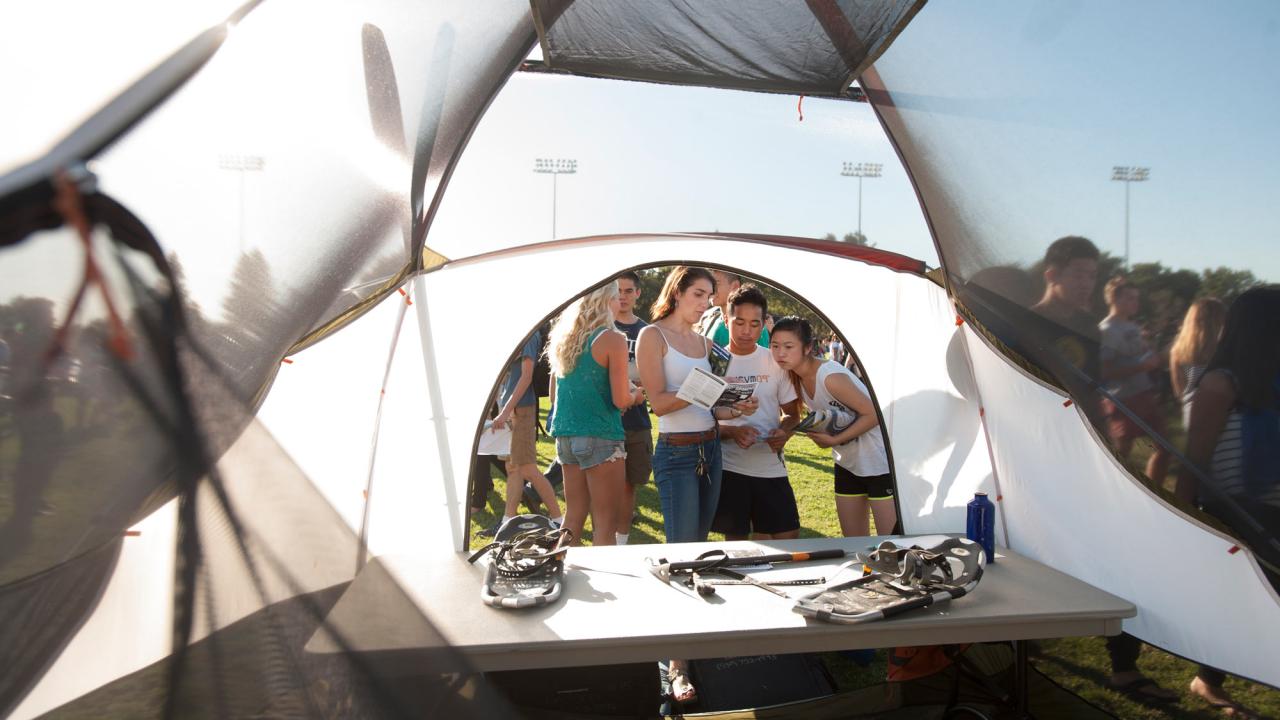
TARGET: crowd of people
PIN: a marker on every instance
(1220, 376)
(721, 469)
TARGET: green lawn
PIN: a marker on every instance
(1079, 664)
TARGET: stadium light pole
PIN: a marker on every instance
(242, 164)
(860, 171)
(554, 168)
(1127, 175)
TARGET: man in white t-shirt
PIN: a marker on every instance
(756, 499)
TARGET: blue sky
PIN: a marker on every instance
(1031, 105)
(658, 158)
(1040, 100)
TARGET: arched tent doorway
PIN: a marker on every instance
(790, 296)
(916, 393)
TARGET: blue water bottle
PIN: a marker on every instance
(981, 525)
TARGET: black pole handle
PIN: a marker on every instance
(717, 559)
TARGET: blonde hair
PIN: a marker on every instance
(1197, 339)
(572, 327)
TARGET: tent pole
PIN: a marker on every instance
(438, 415)
(362, 550)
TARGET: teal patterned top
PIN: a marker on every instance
(584, 402)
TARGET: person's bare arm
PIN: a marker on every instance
(649, 347)
(526, 379)
(843, 390)
(610, 351)
(1177, 378)
(744, 435)
(790, 418)
(1209, 409)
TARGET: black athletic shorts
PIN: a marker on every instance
(877, 487)
(752, 504)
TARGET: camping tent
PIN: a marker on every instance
(362, 121)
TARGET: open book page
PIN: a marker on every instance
(705, 390)
(735, 392)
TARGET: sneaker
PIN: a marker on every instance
(490, 531)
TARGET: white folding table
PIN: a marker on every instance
(613, 610)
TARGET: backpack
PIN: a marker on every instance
(542, 365)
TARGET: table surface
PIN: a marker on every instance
(613, 610)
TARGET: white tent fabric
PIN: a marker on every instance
(132, 625)
(1069, 504)
(933, 429)
(130, 628)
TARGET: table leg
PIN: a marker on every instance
(1020, 675)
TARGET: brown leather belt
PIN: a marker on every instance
(688, 438)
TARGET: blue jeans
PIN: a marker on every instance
(688, 501)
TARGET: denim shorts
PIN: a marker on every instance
(586, 451)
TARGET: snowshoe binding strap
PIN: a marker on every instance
(526, 563)
(900, 579)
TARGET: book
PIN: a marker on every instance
(707, 391)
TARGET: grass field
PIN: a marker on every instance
(1078, 664)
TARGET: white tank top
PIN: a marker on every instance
(676, 366)
(863, 456)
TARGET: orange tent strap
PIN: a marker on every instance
(67, 202)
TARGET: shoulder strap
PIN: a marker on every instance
(595, 335)
(661, 333)
(707, 323)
